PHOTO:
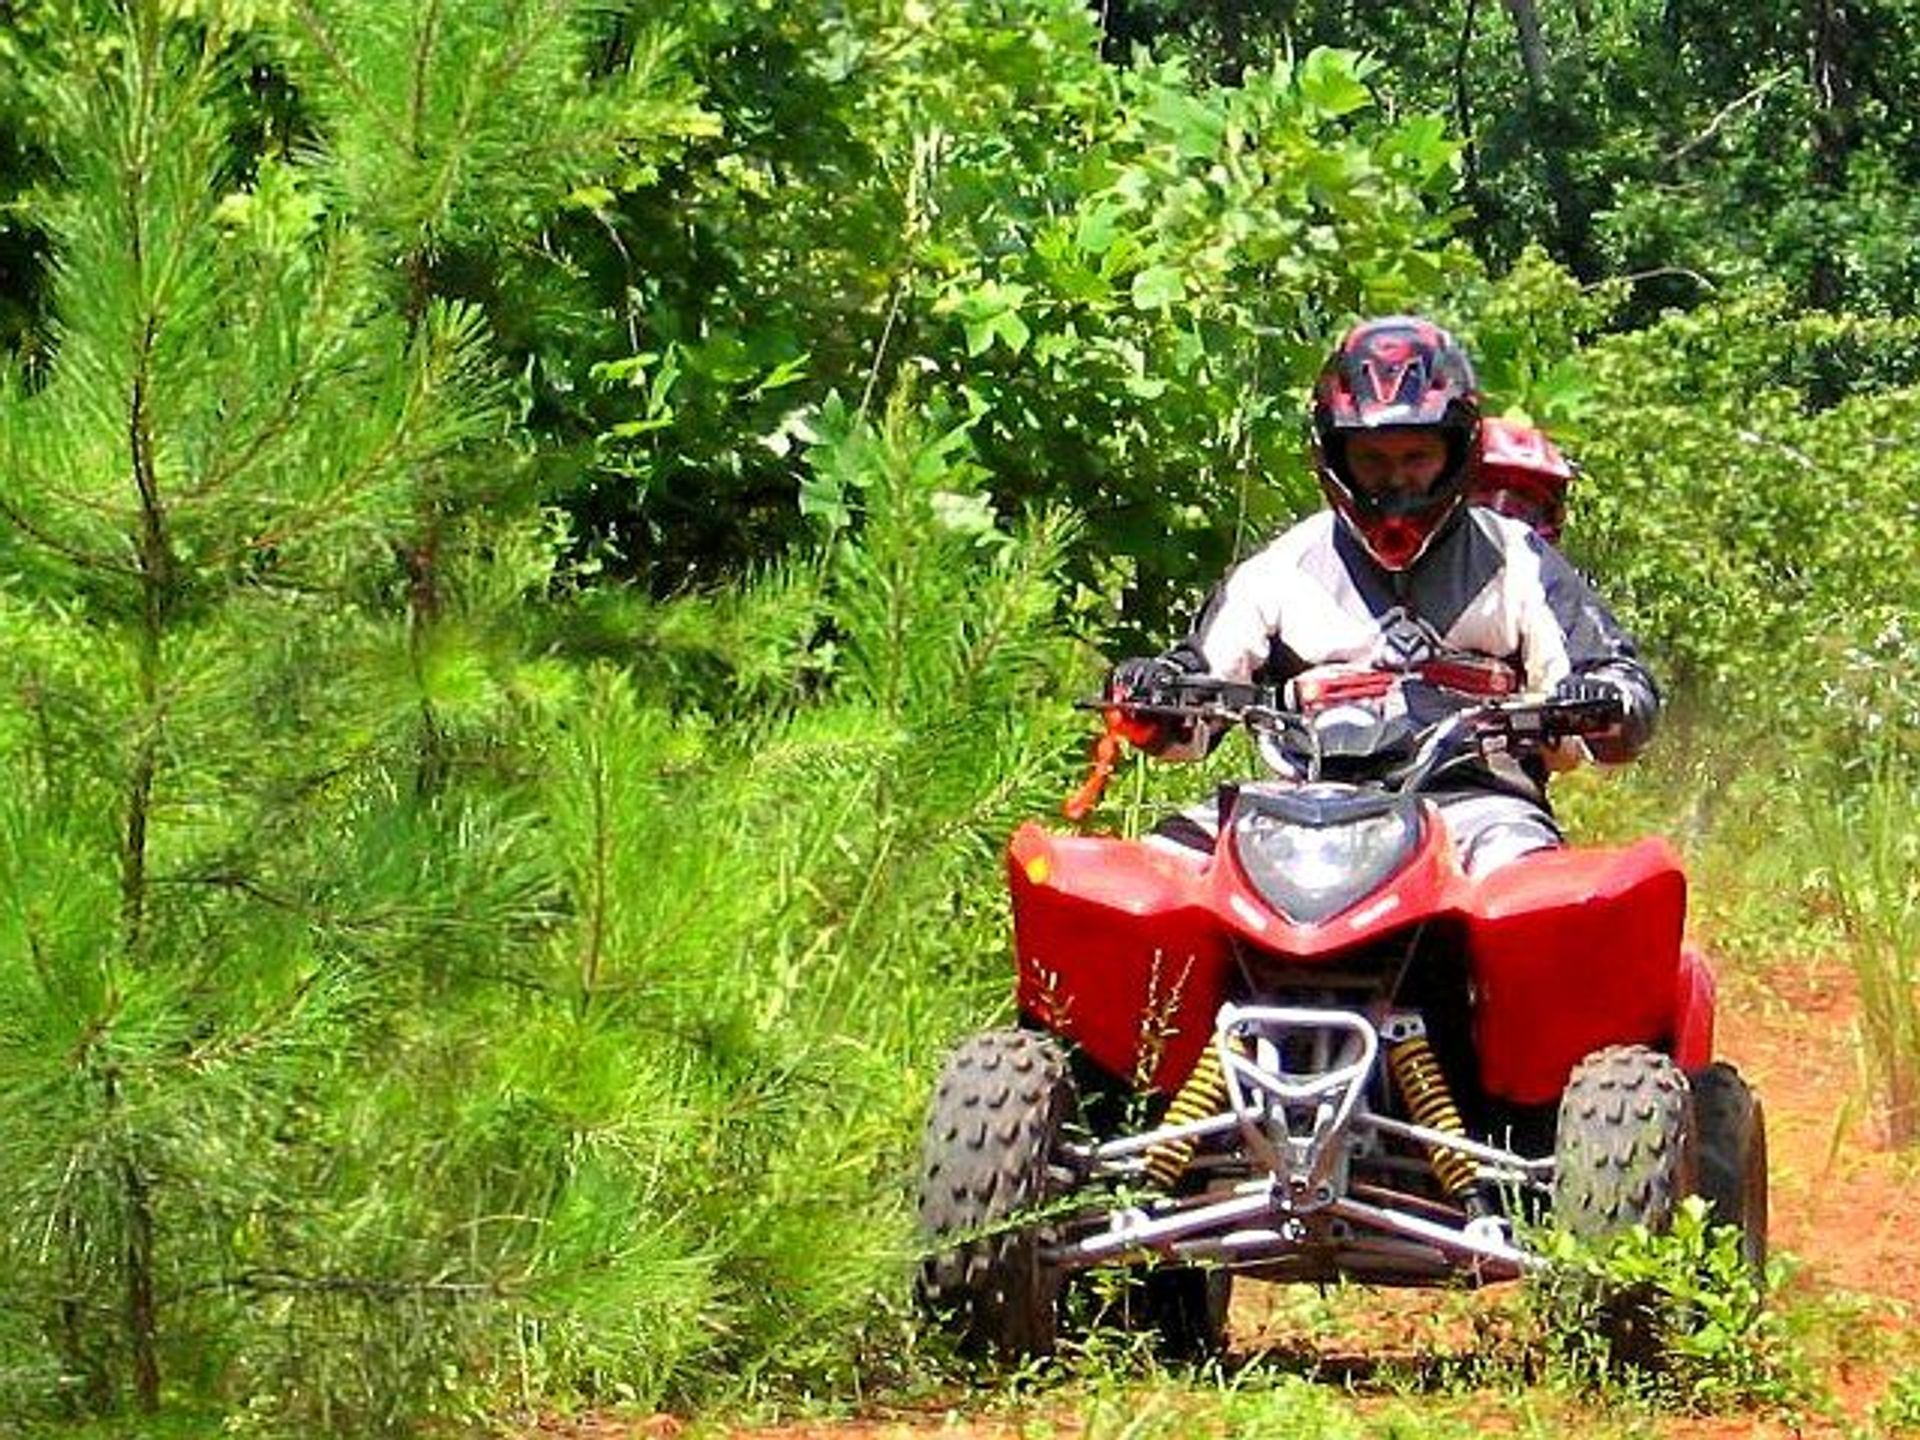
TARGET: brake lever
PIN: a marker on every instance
(1116, 713)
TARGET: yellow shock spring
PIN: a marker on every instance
(1204, 1094)
(1422, 1085)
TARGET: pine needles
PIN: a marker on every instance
(396, 1019)
(429, 986)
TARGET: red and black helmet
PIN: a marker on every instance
(1397, 373)
(1520, 472)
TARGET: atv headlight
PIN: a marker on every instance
(1311, 872)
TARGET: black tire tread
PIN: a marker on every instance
(1624, 1155)
(1625, 1148)
(997, 1113)
(1732, 1127)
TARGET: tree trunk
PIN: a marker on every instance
(1231, 21)
(1470, 151)
(1829, 43)
(143, 1326)
(1572, 215)
(420, 556)
(156, 569)
(1533, 46)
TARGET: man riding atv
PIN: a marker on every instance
(1403, 575)
(1368, 1018)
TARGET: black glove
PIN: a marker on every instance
(1141, 677)
(1600, 697)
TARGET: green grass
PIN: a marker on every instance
(1351, 1362)
(1870, 848)
(1898, 1411)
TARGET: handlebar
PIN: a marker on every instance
(1516, 723)
(1526, 722)
(1539, 719)
(1192, 697)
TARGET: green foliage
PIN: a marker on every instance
(717, 1039)
(1745, 502)
(1700, 151)
(1759, 169)
(342, 1094)
(1119, 278)
(399, 1018)
(436, 978)
(1898, 1411)
(199, 495)
(1712, 1342)
(464, 127)
(1526, 332)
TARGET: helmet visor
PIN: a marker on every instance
(1397, 469)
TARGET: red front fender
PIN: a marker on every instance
(1693, 1010)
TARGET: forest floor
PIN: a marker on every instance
(1353, 1362)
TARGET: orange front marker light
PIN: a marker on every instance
(1040, 869)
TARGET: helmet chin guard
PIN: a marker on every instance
(1396, 542)
(1395, 531)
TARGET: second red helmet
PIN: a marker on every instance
(1520, 472)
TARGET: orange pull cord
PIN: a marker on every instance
(1106, 754)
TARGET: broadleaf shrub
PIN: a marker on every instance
(1706, 1338)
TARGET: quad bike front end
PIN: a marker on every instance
(1295, 1173)
(1217, 1075)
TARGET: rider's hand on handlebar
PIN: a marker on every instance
(1602, 699)
(1142, 677)
(1147, 679)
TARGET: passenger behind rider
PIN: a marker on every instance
(1402, 572)
(1521, 473)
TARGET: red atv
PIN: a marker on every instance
(1322, 1051)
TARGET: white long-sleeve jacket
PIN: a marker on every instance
(1489, 587)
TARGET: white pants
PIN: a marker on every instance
(1488, 829)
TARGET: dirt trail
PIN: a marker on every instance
(1842, 1202)
(1844, 1205)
